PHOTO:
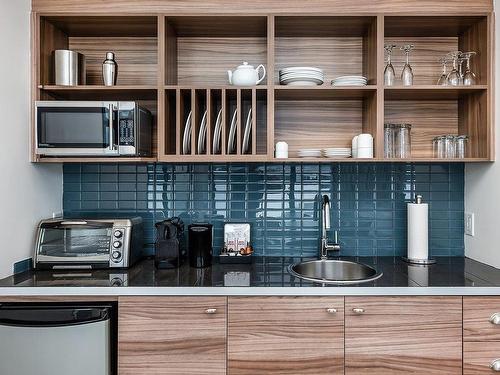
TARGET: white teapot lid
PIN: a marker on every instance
(245, 66)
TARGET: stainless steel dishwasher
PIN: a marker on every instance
(56, 339)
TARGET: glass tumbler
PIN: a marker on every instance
(461, 146)
(403, 141)
(389, 141)
(439, 147)
(450, 146)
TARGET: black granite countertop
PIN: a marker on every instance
(271, 272)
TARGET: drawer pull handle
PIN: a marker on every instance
(210, 311)
(495, 365)
(495, 319)
(331, 310)
(358, 310)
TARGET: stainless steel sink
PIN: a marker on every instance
(334, 272)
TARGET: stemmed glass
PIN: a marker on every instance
(469, 78)
(389, 73)
(443, 80)
(454, 75)
(407, 73)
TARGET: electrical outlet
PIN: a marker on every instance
(469, 224)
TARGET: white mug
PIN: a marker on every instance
(281, 150)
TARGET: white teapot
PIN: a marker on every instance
(246, 75)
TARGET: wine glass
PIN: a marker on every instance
(389, 73)
(443, 80)
(469, 77)
(454, 75)
(460, 61)
(407, 73)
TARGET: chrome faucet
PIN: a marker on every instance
(325, 226)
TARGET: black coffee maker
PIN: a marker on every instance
(200, 245)
(169, 249)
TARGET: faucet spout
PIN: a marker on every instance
(325, 226)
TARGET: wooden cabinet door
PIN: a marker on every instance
(478, 356)
(285, 335)
(171, 335)
(403, 335)
(477, 314)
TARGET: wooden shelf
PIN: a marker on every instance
(126, 92)
(176, 62)
(431, 92)
(85, 159)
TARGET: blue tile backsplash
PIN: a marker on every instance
(280, 201)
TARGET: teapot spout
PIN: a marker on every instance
(230, 77)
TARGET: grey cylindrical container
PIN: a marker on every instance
(69, 68)
(109, 70)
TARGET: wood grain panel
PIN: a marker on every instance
(285, 335)
(318, 123)
(136, 58)
(479, 355)
(51, 38)
(336, 56)
(424, 59)
(429, 119)
(207, 60)
(477, 312)
(401, 335)
(264, 6)
(430, 25)
(172, 335)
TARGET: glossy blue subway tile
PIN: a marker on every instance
(368, 201)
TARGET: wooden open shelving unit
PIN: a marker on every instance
(173, 63)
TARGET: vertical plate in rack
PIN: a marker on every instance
(232, 134)
(186, 139)
(217, 133)
(248, 131)
(202, 134)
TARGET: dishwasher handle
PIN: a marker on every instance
(49, 316)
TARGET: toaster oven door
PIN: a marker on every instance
(74, 242)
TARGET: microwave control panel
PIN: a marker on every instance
(126, 128)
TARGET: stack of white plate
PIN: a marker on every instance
(309, 153)
(302, 76)
(337, 152)
(350, 81)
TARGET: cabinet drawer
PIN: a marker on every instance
(286, 335)
(477, 314)
(479, 355)
(171, 335)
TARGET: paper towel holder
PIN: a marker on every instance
(419, 262)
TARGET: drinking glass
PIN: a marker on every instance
(439, 147)
(450, 146)
(403, 141)
(389, 73)
(407, 73)
(389, 141)
(461, 146)
(443, 80)
(454, 75)
(469, 78)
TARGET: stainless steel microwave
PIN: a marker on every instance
(88, 243)
(92, 128)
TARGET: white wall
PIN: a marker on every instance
(28, 192)
(482, 189)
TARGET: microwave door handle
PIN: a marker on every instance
(111, 138)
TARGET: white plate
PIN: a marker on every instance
(186, 139)
(352, 77)
(232, 134)
(302, 83)
(217, 133)
(248, 130)
(295, 68)
(202, 134)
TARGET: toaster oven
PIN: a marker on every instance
(92, 128)
(87, 244)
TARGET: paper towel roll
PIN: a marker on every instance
(418, 231)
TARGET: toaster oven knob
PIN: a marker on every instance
(116, 255)
(117, 244)
(118, 233)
